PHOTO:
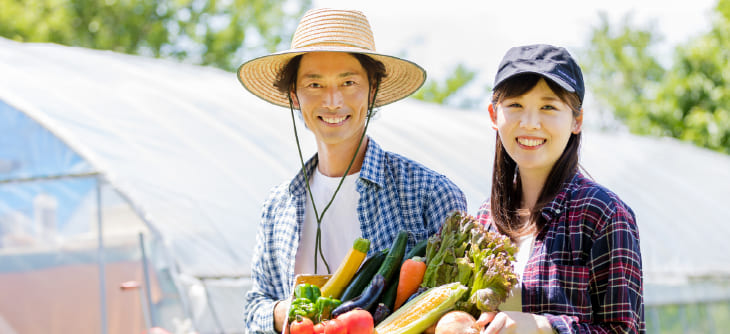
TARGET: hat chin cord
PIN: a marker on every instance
(318, 239)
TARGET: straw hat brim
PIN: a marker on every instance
(402, 79)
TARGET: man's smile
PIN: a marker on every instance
(334, 120)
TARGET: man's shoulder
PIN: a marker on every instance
(383, 166)
(400, 161)
(279, 193)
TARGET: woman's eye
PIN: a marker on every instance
(514, 105)
(549, 107)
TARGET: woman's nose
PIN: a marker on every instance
(530, 120)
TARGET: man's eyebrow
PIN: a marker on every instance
(347, 74)
(319, 76)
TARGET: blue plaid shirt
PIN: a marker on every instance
(396, 194)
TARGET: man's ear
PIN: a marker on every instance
(578, 123)
(372, 95)
(294, 100)
(493, 116)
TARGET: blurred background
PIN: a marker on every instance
(133, 165)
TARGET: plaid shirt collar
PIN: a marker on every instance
(373, 168)
(557, 205)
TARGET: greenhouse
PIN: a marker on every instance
(131, 189)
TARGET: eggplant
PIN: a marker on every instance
(367, 299)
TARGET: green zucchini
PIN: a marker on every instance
(364, 275)
(418, 250)
(388, 297)
(391, 265)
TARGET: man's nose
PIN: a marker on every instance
(333, 98)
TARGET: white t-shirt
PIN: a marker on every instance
(340, 225)
(514, 301)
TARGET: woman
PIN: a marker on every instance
(579, 258)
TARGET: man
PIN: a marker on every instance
(334, 77)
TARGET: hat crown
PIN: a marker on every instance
(552, 62)
(331, 27)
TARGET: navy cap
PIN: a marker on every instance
(554, 63)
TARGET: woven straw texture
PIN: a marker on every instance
(335, 31)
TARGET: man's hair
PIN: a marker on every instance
(506, 193)
(286, 79)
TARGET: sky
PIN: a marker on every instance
(438, 35)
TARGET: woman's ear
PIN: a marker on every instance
(493, 116)
(578, 123)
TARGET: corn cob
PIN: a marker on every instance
(423, 311)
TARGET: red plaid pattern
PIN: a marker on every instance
(584, 273)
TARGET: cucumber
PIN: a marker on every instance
(391, 291)
(364, 276)
(391, 265)
(418, 250)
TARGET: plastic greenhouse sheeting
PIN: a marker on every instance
(195, 154)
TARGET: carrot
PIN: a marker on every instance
(411, 276)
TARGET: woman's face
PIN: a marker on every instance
(534, 127)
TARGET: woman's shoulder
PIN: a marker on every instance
(591, 196)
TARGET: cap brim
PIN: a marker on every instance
(550, 76)
(258, 75)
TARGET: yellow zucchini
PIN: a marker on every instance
(347, 269)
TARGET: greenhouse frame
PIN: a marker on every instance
(131, 190)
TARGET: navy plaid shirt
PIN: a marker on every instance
(584, 273)
(395, 194)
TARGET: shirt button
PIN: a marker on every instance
(557, 210)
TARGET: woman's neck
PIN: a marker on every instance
(532, 184)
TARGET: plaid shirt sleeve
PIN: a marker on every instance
(614, 273)
(269, 272)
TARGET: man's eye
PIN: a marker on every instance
(315, 85)
(349, 83)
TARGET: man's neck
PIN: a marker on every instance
(334, 159)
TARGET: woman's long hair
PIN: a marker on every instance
(506, 184)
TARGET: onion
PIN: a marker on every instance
(457, 322)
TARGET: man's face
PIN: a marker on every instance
(332, 93)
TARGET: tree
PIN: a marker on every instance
(439, 92)
(689, 100)
(209, 32)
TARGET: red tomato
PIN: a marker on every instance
(335, 326)
(301, 326)
(357, 321)
(319, 328)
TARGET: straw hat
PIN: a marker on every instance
(336, 31)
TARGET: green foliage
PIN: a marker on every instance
(438, 92)
(689, 100)
(207, 32)
(688, 318)
(464, 251)
(621, 69)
